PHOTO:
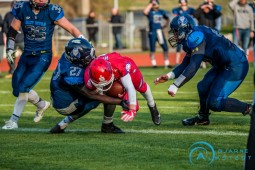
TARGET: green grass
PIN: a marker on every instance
(143, 146)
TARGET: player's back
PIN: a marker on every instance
(219, 51)
(66, 75)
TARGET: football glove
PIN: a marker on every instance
(128, 115)
(172, 90)
(10, 56)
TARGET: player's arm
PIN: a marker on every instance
(197, 44)
(130, 89)
(147, 9)
(176, 72)
(69, 27)
(10, 40)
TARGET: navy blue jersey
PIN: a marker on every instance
(38, 28)
(214, 47)
(156, 19)
(67, 75)
(179, 11)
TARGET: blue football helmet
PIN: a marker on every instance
(39, 6)
(180, 26)
(79, 51)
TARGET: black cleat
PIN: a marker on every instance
(110, 128)
(199, 120)
(57, 129)
(155, 116)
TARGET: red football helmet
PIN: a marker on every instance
(101, 75)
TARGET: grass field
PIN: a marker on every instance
(143, 146)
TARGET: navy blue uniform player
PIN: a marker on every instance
(68, 92)
(156, 18)
(37, 19)
(229, 68)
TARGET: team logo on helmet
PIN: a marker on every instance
(76, 53)
(101, 78)
(182, 21)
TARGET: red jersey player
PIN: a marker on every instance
(107, 68)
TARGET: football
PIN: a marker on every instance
(116, 89)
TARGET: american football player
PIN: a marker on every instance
(156, 19)
(107, 68)
(37, 19)
(229, 68)
(69, 95)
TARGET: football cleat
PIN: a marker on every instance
(40, 112)
(155, 115)
(57, 129)
(199, 120)
(110, 128)
(10, 125)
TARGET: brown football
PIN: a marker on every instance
(116, 89)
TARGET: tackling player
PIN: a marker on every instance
(229, 68)
(37, 19)
(68, 93)
(107, 68)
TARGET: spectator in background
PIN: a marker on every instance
(182, 9)
(207, 14)
(243, 23)
(1, 41)
(156, 17)
(117, 19)
(19, 45)
(92, 27)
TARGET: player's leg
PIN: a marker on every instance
(178, 54)
(203, 88)
(36, 69)
(107, 124)
(163, 44)
(22, 98)
(152, 43)
(142, 87)
(73, 111)
(226, 83)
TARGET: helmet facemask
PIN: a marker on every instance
(103, 85)
(39, 6)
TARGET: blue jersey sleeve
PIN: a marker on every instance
(175, 11)
(17, 9)
(56, 12)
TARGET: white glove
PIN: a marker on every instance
(10, 56)
(172, 90)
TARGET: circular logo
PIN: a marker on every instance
(201, 153)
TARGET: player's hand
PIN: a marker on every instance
(128, 115)
(125, 105)
(10, 55)
(172, 90)
(161, 79)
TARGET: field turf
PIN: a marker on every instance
(143, 146)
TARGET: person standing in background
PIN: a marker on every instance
(19, 44)
(92, 27)
(117, 19)
(243, 23)
(156, 17)
(1, 42)
(182, 9)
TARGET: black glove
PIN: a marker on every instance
(124, 104)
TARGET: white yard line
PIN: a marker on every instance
(149, 131)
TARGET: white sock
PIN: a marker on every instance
(166, 62)
(19, 106)
(107, 120)
(64, 123)
(34, 98)
(148, 96)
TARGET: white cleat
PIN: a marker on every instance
(10, 125)
(40, 112)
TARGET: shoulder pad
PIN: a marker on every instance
(56, 12)
(17, 9)
(194, 39)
